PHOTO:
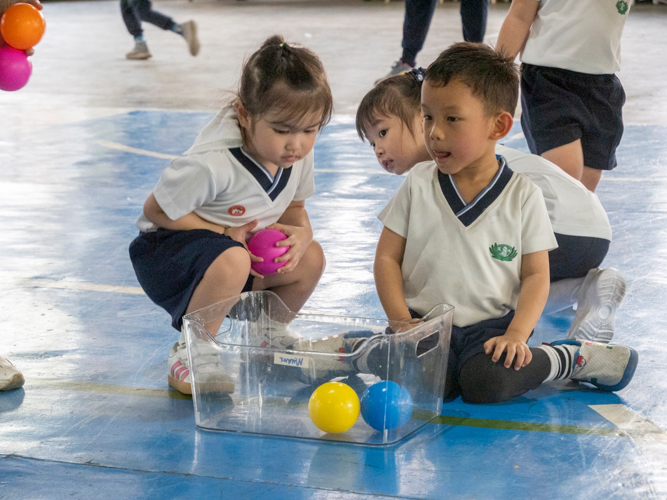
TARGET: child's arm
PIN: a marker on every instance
(156, 215)
(516, 27)
(295, 223)
(532, 298)
(388, 276)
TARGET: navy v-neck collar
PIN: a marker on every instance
(469, 213)
(273, 186)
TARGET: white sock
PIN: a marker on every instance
(562, 294)
(562, 360)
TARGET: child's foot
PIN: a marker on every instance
(398, 68)
(275, 334)
(190, 34)
(599, 297)
(607, 367)
(329, 367)
(210, 372)
(10, 377)
(140, 51)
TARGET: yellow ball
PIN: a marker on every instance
(334, 407)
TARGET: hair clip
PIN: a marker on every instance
(417, 74)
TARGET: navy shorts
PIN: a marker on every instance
(576, 255)
(560, 106)
(170, 264)
(468, 341)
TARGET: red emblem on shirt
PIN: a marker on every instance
(236, 210)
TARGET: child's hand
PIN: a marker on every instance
(239, 234)
(298, 238)
(514, 344)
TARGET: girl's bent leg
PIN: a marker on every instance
(296, 287)
(485, 382)
(224, 278)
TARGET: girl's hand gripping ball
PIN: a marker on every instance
(263, 244)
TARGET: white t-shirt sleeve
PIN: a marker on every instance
(536, 231)
(184, 186)
(306, 187)
(396, 214)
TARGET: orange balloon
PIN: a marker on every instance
(22, 26)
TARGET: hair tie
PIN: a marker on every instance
(417, 74)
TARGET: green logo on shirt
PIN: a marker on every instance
(502, 252)
(622, 7)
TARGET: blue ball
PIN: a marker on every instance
(386, 405)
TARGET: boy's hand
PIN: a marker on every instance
(298, 238)
(239, 234)
(515, 346)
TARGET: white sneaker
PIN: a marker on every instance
(210, 372)
(398, 68)
(599, 297)
(10, 377)
(190, 35)
(607, 367)
(140, 51)
(326, 368)
(274, 334)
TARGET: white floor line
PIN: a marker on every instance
(129, 149)
(626, 419)
(79, 285)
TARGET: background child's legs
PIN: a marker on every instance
(296, 287)
(144, 9)
(131, 18)
(570, 157)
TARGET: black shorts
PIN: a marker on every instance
(576, 255)
(468, 341)
(170, 264)
(560, 106)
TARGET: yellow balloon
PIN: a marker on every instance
(334, 407)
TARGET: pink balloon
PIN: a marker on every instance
(263, 244)
(15, 69)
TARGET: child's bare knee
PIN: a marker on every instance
(233, 262)
(314, 259)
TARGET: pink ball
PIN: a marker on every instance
(15, 69)
(263, 244)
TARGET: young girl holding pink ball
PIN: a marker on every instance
(250, 168)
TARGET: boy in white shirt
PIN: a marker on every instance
(466, 230)
(571, 99)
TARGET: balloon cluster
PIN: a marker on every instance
(22, 27)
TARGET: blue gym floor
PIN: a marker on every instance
(96, 418)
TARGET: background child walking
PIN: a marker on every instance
(250, 168)
(571, 99)
(135, 11)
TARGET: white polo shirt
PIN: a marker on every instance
(219, 182)
(466, 255)
(579, 35)
(573, 209)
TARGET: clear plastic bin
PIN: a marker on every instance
(245, 379)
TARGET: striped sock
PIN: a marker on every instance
(177, 28)
(562, 360)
